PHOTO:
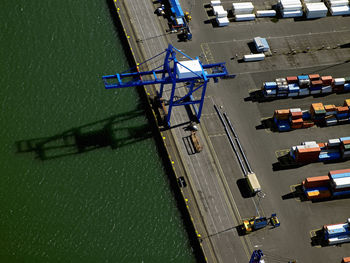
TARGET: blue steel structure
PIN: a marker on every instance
(167, 74)
(256, 256)
(178, 18)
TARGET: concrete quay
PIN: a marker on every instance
(213, 196)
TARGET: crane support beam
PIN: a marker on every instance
(166, 74)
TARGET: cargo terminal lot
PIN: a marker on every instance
(320, 46)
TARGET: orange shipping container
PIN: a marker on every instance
(327, 80)
(317, 181)
(314, 76)
(297, 115)
(316, 82)
(339, 171)
(346, 260)
(292, 79)
(342, 109)
(330, 108)
(308, 124)
(317, 106)
(318, 195)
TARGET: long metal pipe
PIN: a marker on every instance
(238, 143)
(231, 141)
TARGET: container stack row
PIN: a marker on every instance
(335, 184)
(337, 233)
(243, 11)
(323, 115)
(310, 152)
(290, 8)
(315, 9)
(220, 13)
(338, 7)
(304, 85)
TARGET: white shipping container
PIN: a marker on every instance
(219, 10)
(295, 110)
(245, 17)
(310, 143)
(242, 5)
(215, 3)
(291, 7)
(338, 240)
(292, 14)
(327, 89)
(339, 81)
(265, 13)
(333, 142)
(222, 21)
(304, 92)
(334, 3)
(253, 183)
(221, 13)
(341, 182)
(312, 1)
(340, 10)
(315, 91)
(254, 57)
(188, 69)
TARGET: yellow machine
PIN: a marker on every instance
(188, 17)
(256, 223)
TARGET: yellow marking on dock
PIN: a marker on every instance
(280, 153)
(293, 189)
(207, 53)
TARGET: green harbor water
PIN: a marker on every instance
(81, 179)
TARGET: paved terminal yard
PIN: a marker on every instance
(215, 196)
(298, 46)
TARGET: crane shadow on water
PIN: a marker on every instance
(114, 131)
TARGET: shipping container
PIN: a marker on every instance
(317, 181)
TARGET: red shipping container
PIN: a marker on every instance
(321, 195)
(293, 79)
(339, 171)
(327, 80)
(317, 181)
(316, 82)
(314, 76)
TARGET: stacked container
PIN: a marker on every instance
(309, 152)
(290, 8)
(337, 233)
(221, 15)
(320, 114)
(265, 13)
(335, 184)
(345, 147)
(304, 85)
(243, 11)
(315, 10)
(338, 7)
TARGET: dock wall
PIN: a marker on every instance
(121, 20)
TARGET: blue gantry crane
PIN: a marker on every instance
(192, 72)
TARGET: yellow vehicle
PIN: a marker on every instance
(256, 223)
(188, 17)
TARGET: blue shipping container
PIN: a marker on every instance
(341, 193)
(302, 77)
(328, 156)
(334, 176)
